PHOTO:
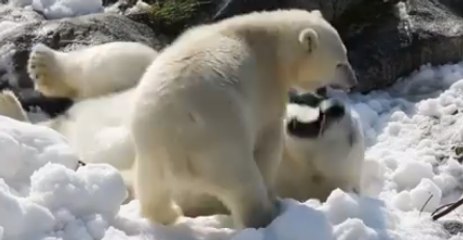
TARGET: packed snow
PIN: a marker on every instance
(55, 9)
(414, 134)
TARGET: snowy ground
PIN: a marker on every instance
(414, 135)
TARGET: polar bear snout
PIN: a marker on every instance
(345, 77)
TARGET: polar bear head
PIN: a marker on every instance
(320, 56)
(314, 124)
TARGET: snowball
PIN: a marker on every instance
(25, 148)
(457, 86)
(367, 115)
(96, 226)
(430, 108)
(446, 182)
(403, 201)
(340, 206)
(409, 174)
(53, 9)
(425, 191)
(354, 229)
(299, 221)
(94, 188)
(22, 219)
(11, 156)
(249, 233)
(394, 129)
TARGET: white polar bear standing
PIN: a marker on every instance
(90, 71)
(208, 113)
(324, 149)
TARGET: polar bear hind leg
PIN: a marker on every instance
(235, 180)
(238, 183)
(11, 107)
(154, 191)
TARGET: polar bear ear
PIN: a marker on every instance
(317, 13)
(308, 39)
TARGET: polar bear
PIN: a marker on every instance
(90, 71)
(324, 149)
(208, 113)
(95, 127)
(301, 175)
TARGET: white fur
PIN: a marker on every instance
(302, 113)
(98, 129)
(90, 71)
(208, 112)
(312, 168)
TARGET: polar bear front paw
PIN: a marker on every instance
(10, 106)
(40, 62)
(165, 215)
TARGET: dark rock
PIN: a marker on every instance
(109, 2)
(453, 227)
(29, 28)
(395, 40)
(172, 17)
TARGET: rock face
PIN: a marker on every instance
(25, 28)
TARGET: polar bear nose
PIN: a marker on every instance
(332, 108)
(346, 77)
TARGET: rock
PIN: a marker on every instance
(397, 39)
(453, 227)
(171, 17)
(24, 28)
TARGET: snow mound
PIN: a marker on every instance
(25, 148)
(413, 165)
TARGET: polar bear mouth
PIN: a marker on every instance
(311, 130)
(305, 121)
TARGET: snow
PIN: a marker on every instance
(55, 9)
(414, 143)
